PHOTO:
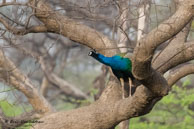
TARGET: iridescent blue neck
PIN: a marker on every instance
(101, 58)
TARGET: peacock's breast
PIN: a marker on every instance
(120, 64)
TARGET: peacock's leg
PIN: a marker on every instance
(130, 86)
(123, 88)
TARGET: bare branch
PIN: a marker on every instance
(123, 25)
(180, 38)
(55, 22)
(180, 73)
(44, 86)
(69, 6)
(12, 76)
(66, 87)
(16, 31)
(174, 55)
(163, 32)
(145, 48)
(141, 103)
(143, 19)
(4, 3)
(32, 29)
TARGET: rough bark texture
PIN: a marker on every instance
(57, 23)
(179, 73)
(143, 25)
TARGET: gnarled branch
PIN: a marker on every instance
(75, 31)
(180, 73)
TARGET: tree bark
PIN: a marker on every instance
(110, 109)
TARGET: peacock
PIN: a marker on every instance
(121, 66)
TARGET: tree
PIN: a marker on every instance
(149, 65)
(174, 111)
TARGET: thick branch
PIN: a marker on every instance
(91, 117)
(177, 43)
(55, 22)
(174, 56)
(146, 46)
(180, 73)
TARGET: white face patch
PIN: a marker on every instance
(90, 53)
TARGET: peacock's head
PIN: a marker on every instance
(91, 53)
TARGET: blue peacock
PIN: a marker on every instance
(121, 66)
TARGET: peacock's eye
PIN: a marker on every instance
(90, 53)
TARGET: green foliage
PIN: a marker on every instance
(172, 112)
(186, 82)
(11, 110)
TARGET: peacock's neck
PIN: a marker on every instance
(101, 58)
